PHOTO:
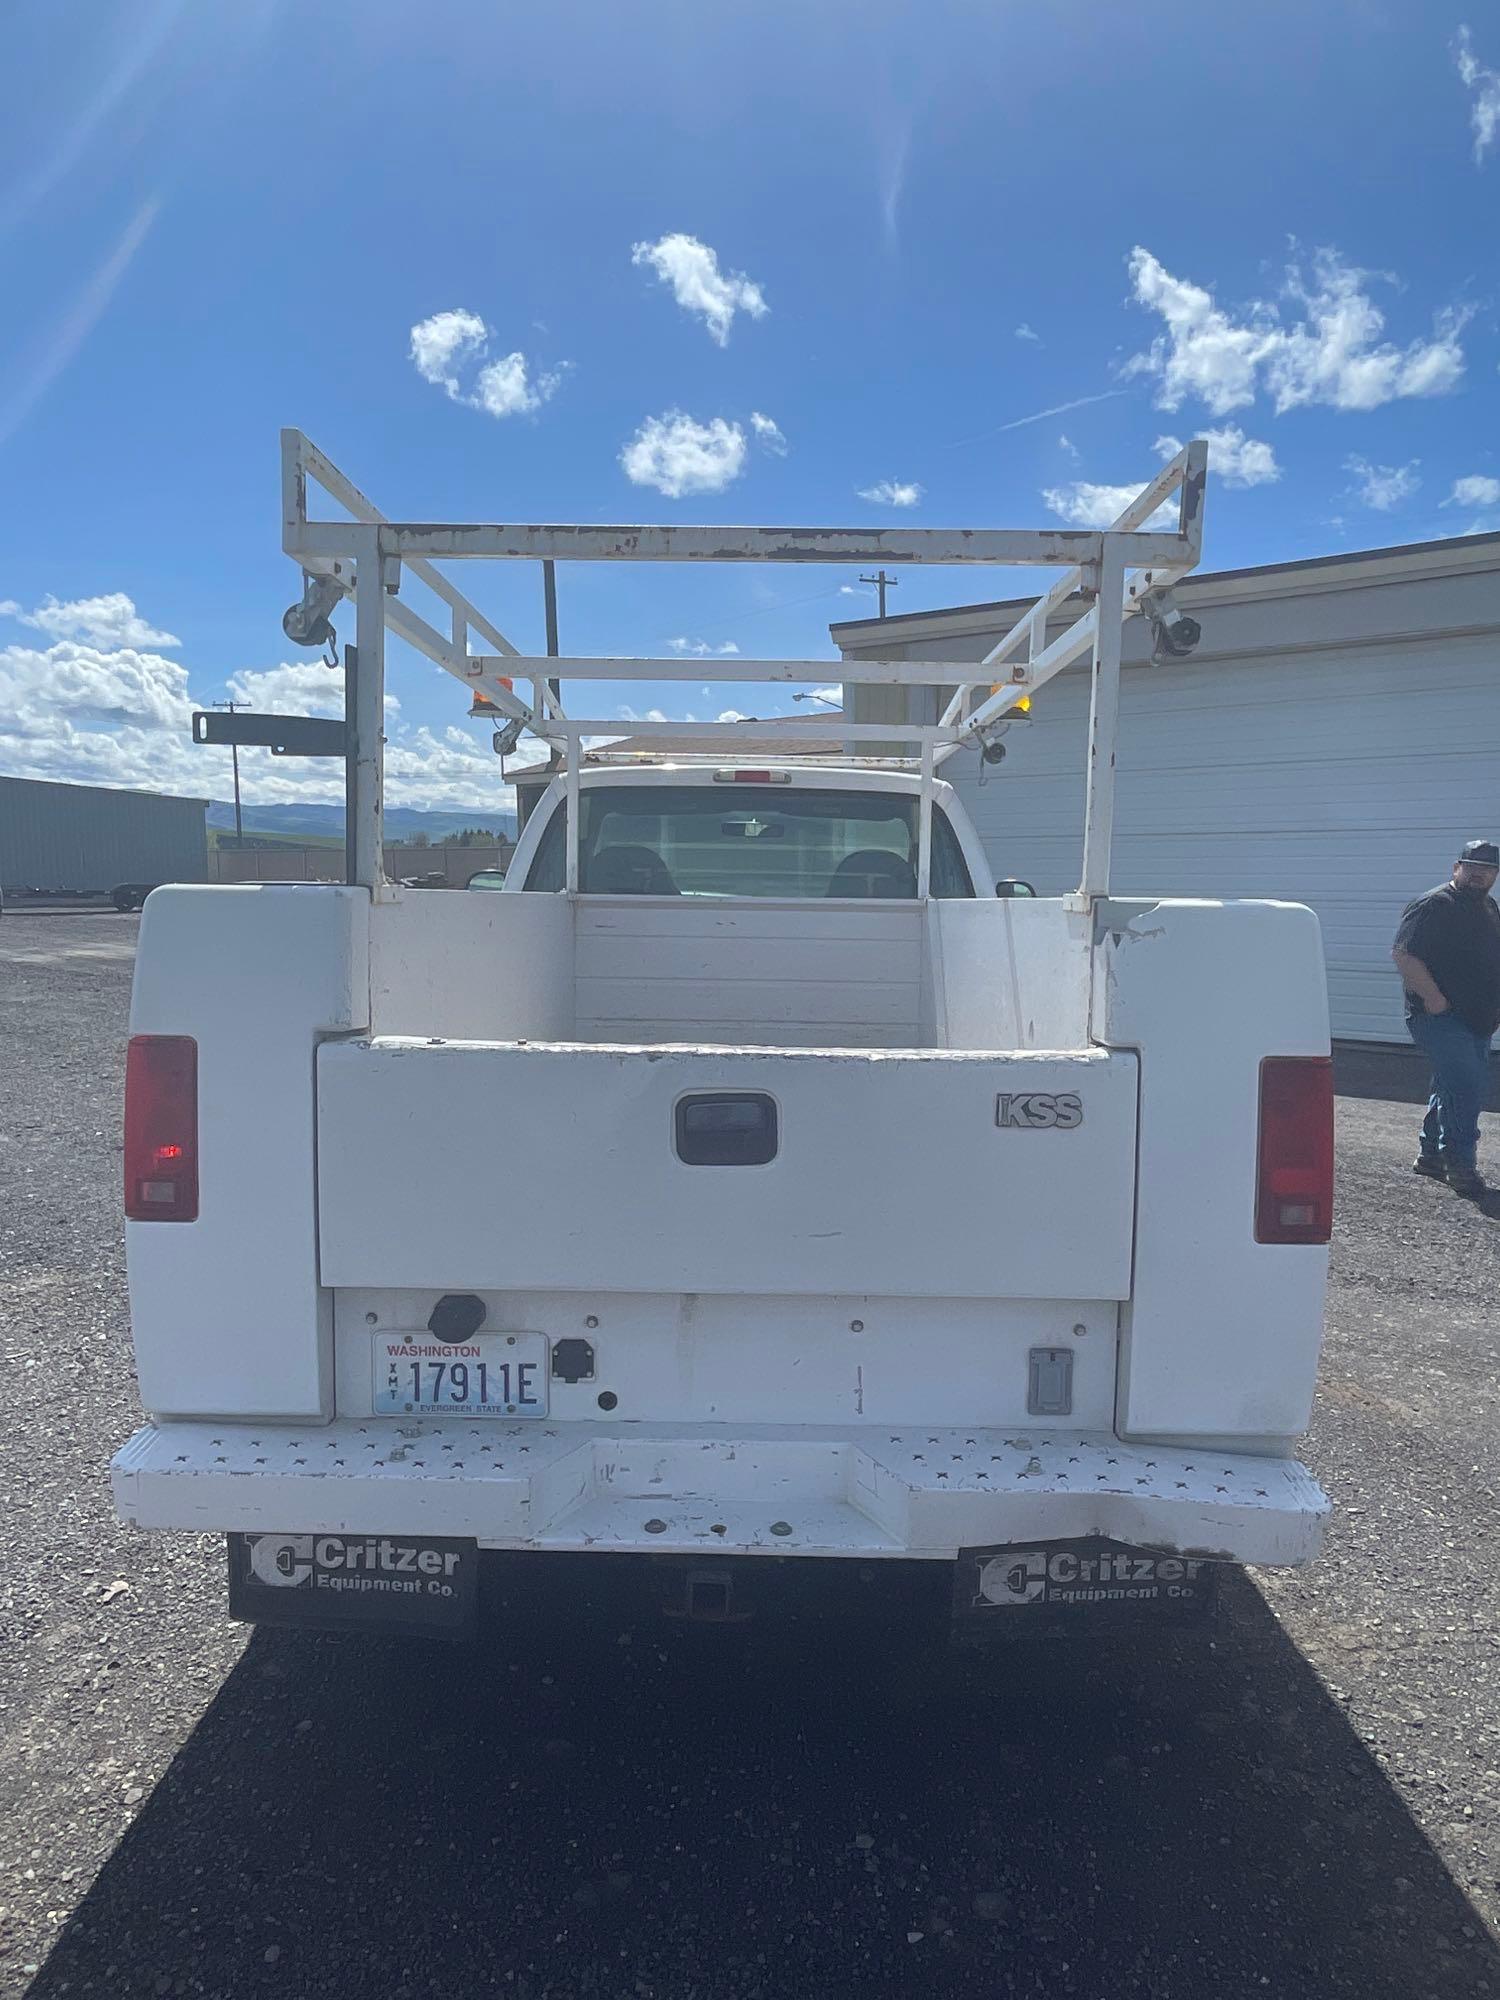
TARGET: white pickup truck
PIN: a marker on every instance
(746, 1180)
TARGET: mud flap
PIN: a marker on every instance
(403, 1583)
(1090, 1582)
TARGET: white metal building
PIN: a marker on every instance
(1332, 741)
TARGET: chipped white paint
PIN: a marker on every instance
(752, 1490)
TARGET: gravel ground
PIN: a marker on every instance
(592, 1803)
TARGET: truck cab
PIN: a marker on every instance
(787, 828)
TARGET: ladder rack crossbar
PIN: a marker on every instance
(851, 673)
(795, 729)
(485, 541)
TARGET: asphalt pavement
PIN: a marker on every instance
(589, 1801)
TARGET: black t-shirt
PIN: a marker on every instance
(1457, 937)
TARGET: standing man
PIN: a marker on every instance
(1448, 954)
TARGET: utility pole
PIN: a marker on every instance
(234, 751)
(549, 597)
(882, 583)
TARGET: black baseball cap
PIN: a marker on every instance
(1483, 853)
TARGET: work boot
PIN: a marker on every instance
(1466, 1180)
(1431, 1165)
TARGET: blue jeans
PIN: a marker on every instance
(1460, 1078)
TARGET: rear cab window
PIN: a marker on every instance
(747, 841)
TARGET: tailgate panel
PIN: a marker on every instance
(466, 1165)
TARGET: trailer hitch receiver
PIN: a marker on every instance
(705, 1597)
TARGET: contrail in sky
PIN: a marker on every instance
(27, 191)
(1057, 410)
(76, 324)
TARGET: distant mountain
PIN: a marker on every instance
(401, 822)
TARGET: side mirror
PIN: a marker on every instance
(1012, 887)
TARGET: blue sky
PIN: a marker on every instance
(1276, 225)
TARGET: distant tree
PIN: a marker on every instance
(474, 836)
(421, 840)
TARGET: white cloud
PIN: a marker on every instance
(855, 590)
(299, 687)
(302, 687)
(1083, 504)
(81, 712)
(1065, 443)
(438, 768)
(732, 715)
(1484, 112)
(505, 389)
(677, 455)
(701, 649)
(110, 620)
(768, 433)
(628, 714)
(1332, 354)
(892, 492)
(1024, 332)
(1232, 457)
(89, 715)
(439, 343)
(74, 688)
(1477, 490)
(692, 270)
(445, 348)
(1203, 353)
(833, 694)
(1382, 486)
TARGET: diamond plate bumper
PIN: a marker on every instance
(763, 1490)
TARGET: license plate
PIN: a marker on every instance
(493, 1375)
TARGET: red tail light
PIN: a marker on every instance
(1294, 1181)
(161, 1129)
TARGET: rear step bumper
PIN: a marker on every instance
(752, 1490)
